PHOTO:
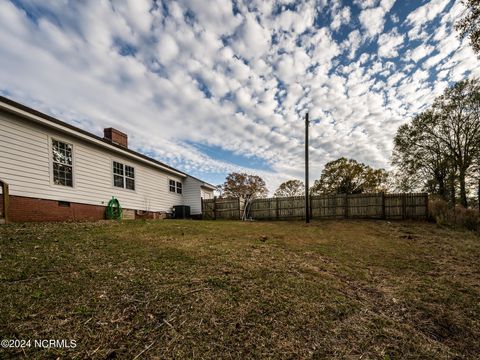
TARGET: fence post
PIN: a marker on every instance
(426, 205)
(384, 214)
(404, 206)
(310, 205)
(239, 209)
(277, 215)
(214, 208)
(346, 206)
(6, 202)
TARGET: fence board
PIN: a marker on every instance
(365, 206)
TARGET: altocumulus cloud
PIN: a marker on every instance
(188, 77)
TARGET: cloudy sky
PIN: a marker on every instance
(217, 86)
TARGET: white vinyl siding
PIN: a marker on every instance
(25, 163)
(192, 194)
(206, 194)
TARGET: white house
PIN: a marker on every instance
(57, 171)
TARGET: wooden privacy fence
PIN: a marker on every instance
(366, 206)
(213, 209)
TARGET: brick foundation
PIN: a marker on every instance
(26, 209)
(150, 215)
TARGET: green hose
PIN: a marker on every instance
(114, 210)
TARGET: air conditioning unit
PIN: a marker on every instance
(181, 212)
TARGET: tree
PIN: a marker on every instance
(476, 179)
(241, 185)
(347, 176)
(442, 144)
(457, 126)
(290, 188)
(469, 25)
(421, 158)
(219, 190)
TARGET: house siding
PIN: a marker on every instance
(25, 163)
(191, 195)
(206, 194)
(194, 193)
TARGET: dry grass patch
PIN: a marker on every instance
(191, 289)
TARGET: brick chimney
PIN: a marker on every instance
(115, 137)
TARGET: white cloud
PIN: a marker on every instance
(252, 39)
(388, 44)
(420, 52)
(427, 12)
(365, 4)
(373, 19)
(352, 43)
(423, 15)
(167, 49)
(341, 18)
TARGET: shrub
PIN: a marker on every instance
(439, 211)
(467, 218)
(442, 214)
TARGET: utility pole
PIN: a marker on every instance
(307, 212)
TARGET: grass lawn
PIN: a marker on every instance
(219, 289)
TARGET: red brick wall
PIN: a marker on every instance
(116, 136)
(23, 209)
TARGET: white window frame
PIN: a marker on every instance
(124, 176)
(174, 191)
(50, 140)
(175, 187)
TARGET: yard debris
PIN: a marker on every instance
(166, 322)
(195, 290)
(263, 238)
(141, 352)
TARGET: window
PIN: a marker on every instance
(175, 186)
(62, 163)
(118, 176)
(129, 177)
(123, 176)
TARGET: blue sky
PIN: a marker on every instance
(219, 86)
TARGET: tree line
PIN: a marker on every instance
(342, 176)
